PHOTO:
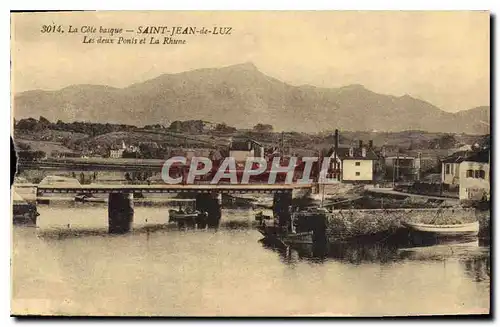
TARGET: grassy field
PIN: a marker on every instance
(45, 146)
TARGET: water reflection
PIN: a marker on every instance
(477, 269)
(474, 256)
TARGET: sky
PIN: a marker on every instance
(439, 57)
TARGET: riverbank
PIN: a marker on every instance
(346, 225)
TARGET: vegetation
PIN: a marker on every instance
(157, 141)
(91, 129)
(263, 128)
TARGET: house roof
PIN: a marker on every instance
(456, 157)
(116, 147)
(460, 156)
(343, 153)
(481, 156)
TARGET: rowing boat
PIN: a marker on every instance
(467, 229)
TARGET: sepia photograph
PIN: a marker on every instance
(250, 163)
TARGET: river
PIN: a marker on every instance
(228, 272)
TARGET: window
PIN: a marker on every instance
(447, 168)
(358, 173)
(470, 173)
(479, 174)
(358, 163)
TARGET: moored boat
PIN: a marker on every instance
(187, 215)
(298, 238)
(298, 232)
(181, 216)
(466, 229)
(89, 198)
(23, 213)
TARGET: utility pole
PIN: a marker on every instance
(397, 166)
(393, 173)
(282, 143)
(419, 165)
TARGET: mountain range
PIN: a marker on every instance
(242, 96)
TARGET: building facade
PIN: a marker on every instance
(357, 170)
(450, 170)
(349, 164)
(474, 178)
(401, 167)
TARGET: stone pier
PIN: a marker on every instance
(211, 204)
(120, 212)
(281, 208)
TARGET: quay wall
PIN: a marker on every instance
(352, 223)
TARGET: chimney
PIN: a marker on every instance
(370, 144)
(360, 144)
(336, 140)
(363, 152)
(336, 149)
(351, 152)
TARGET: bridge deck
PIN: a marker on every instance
(174, 188)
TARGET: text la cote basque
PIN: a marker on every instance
(171, 31)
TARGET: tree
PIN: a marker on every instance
(44, 121)
(223, 128)
(263, 128)
(23, 146)
(446, 141)
(27, 124)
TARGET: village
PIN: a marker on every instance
(454, 170)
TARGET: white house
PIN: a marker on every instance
(474, 177)
(353, 164)
(450, 170)
(117, 151)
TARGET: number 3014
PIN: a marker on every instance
(51, 29)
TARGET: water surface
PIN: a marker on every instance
(229, 272)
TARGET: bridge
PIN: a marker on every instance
(174, 188)
(207, 198)
(93, 164)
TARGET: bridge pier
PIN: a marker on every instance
(281, 209)
(211, 204)
(120, 212)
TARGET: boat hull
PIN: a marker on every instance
(298, 238)
(24, 215)
(469, 229)
(276, 235)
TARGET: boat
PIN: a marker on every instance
(186, 215)
(261, 218)
(23, 213)
(467, 229)
(269, 228)
(298, 238)
(89, 198)
(281, 236)
(181, 216)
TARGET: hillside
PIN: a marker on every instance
(242, 96)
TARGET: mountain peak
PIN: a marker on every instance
(354, 87)
(240, 95)
(244, 66)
